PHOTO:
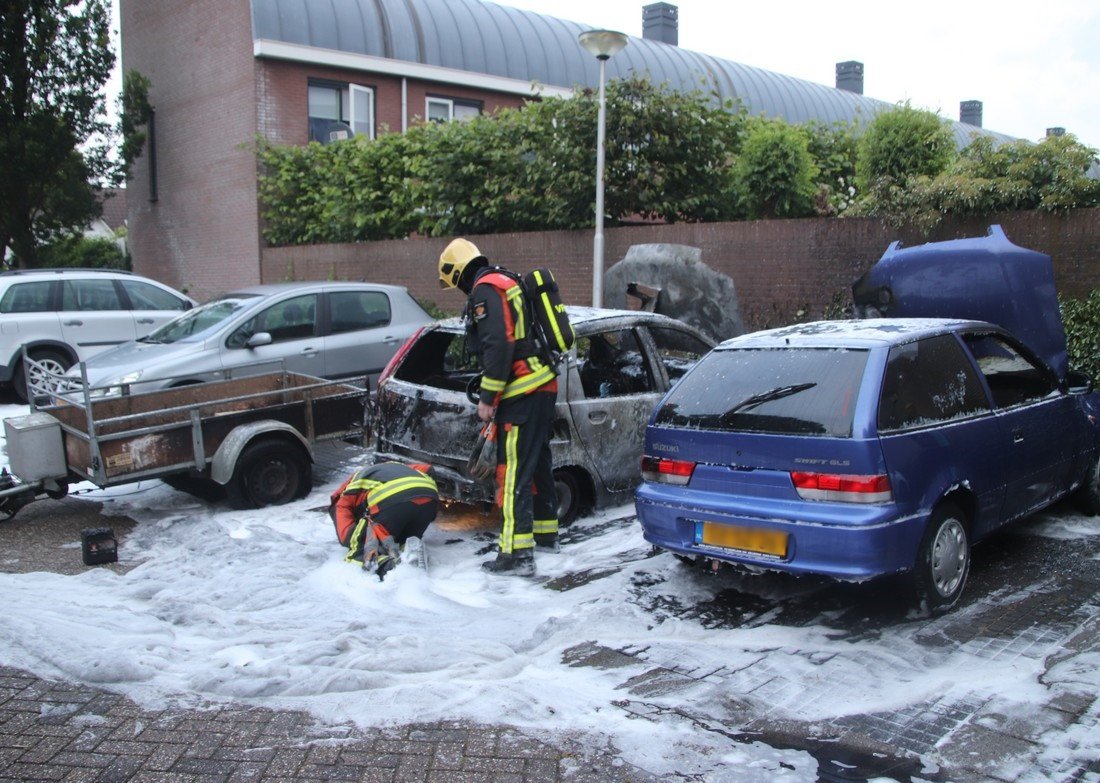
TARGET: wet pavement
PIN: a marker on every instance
(1031, 601)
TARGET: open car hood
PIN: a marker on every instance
(983, 279)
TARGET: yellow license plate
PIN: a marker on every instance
(748, 539)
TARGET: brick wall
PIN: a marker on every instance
(201, 233)
(779, 267)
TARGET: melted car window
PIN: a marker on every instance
(928, 381)
(803, 391)
(611, 364)
(677, 350)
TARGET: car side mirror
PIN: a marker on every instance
(258, 339)
(1077, 383)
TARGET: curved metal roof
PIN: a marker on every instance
(482, 37)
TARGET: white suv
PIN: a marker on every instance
(64, 316)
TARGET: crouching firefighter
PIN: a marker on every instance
(518, 394)
(379, 508)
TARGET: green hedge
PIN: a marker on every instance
(1081, 318)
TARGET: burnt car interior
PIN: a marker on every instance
(611, 364)
(439, 359)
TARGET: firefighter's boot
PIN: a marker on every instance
(547, 542)
(518, 563)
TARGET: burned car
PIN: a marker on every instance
(622, 363)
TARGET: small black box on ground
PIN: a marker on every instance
(98, 545)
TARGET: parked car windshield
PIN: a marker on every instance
(194, 324)
(807, 391)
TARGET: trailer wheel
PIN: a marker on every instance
(269, 473)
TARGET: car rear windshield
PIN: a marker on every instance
(786, 391)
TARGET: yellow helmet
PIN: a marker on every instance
(453, 261)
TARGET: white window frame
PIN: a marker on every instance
(447, 102)
(360, 96)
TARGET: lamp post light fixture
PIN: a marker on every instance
(602, 44)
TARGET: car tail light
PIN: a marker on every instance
(396, 359)
(667, 471)
(843, 488)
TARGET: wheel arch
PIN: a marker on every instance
(586, 486)
(49, 345)
(224, 461)
(962, 497)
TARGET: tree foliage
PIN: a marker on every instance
(76, 250)
(775, 173)
(670, 157)
(1081, 318)
(55, 57)
(903, 143)
(134, 112)
(1051, 175)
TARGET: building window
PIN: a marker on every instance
(447, 109)
(339, 111)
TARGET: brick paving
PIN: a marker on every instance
(55, 731)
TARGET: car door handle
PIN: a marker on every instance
(597, 417)
(309, 352)
(74, 323)
(145, 321)
(1017, 436)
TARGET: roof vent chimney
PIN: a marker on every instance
(970, 112)
(849, 76)
(660, 22)
(1056, 131)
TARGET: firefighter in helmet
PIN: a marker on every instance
(379, 508)
(518, 393)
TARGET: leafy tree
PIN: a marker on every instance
(134, 111)
(55, 57)
(76, 250)
(670, 154)
(775, 172)
(1052, 175)
(903, 143)
(833, 149)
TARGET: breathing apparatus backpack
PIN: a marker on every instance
(551, 324)
(551, 330)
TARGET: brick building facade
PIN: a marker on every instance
(194, 216)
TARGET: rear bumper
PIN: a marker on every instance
(847, 541)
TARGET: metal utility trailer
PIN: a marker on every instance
(251, 437)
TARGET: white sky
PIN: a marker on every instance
(1033, 66)
(258, 607)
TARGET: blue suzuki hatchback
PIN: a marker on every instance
(861, 448)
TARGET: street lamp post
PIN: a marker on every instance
(602, 44)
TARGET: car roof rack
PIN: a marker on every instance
(63, 270)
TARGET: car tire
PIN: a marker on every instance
(571, 498)
(55, 361)
(943, 560)
(269, 473)
(1087, 496)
